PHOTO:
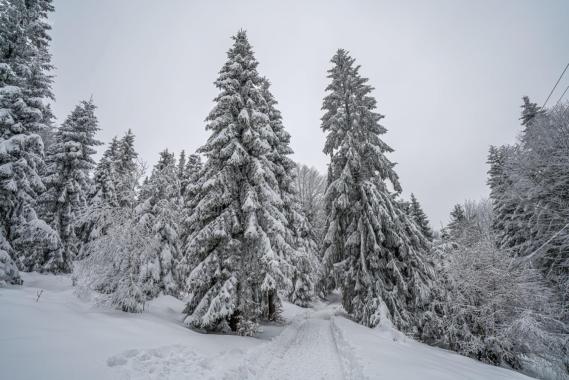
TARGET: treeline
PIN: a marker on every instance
(237, 227)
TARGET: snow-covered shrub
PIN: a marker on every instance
(500, 311)
(122, 266)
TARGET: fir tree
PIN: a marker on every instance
(25, 89)
(9, 273)
(300, 248)
(509, 232)
(69, 162)
(182, 172)
(375, 250)
(103, 199)
(420, 218)
(160, 211)
(127, 170)
(457, 221)
(529, 111)
(190, 174)
(237, 211)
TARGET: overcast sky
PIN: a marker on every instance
(448, 75)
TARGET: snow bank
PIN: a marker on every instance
(60, 337)
(386, 353)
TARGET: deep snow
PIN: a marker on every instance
(63, 337)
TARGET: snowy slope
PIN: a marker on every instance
(62, 337)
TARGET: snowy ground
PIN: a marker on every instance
(62, 337)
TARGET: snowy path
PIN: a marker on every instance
(307, 349)
(311, 353)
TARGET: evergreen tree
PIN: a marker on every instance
(510, 233)
(182, 172)
(237, 211)
(189, 176)
(9, 273)
(69, 162)
(300, 248)
(106, 176)
(25, 89)
(457, 222)
(160, 211)
(103, 199)
(375, 250)
(529, 111)
(127, 170)
(420, 218)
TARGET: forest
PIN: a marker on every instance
(238, 228)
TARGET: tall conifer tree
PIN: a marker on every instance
(371, 245)
(69, 163)
(238, 211)
(25, 89)
(160, 212)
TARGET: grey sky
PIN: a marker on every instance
(448, 75)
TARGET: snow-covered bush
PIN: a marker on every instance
(500, 311)
(122, 266)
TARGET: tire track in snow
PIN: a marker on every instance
(351, 366)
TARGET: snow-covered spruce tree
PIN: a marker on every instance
(376, 251)
(190, 185)
(529, 184)
(69, 162)
(9, 274)
(102, 200)
(116, 183)
(182, 172)
(457, 217)
(160, 211)
(127, 170)
(300, 248)
(420, 218)
(508, 213)
(190, 176)
(237, 211)
(25, 89)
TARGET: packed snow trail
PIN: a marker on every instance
(309, 348)
(311, 353)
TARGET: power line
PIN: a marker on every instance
(562, 95)
(554, 87)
